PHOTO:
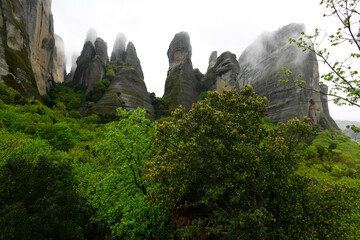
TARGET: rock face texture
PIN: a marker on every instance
(59, 71)
(223, 74)
(128, 89)
(212, 59)
(260, 63)
(101, 50)
(27, 46)
(90, 68)
(180, 85)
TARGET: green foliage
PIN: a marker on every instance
(99, 90)
(110, 73)
(118, 188)
(10, 96)
(221, 174)
(202, 96)
(161, 109)
(342, 74)
(66, 95)
(36, 192)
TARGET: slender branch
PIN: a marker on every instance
(330, 94)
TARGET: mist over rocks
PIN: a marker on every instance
(180, 85)
(91, 36)
(127, 88)
(262, 60)
(119, 49)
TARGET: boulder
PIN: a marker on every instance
(180, 85)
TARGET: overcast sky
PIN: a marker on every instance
(221, 25)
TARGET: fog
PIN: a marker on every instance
(229, 25)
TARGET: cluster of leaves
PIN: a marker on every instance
(222, 174)
(98, 91)
(61, 93)
(161, 109)
(219, 171)
(344, 78)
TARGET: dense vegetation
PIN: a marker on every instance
(218, 171)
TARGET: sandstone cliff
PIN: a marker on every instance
(260, 63)
(27, 46)
(180, 85)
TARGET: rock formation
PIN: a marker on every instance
(27, 46)
(223, 73)
(101, 50)
(132, 60)
(119, 49)
(59, 61)
(128, 89)
(212, 60)
(260, 63)
(180, 85)
(90, 68)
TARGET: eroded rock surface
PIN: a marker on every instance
(128, 89)
(223, 74)
(27, 55)
(262, 60)
(180, 85)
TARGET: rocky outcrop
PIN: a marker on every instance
(27, 46)
(119, 49)
(128, 89)
(101, 50)
(260, 64)
(90, 68)
(132, 59)
(59, 71)
(212, 60)
(180, 85)
(223, 74)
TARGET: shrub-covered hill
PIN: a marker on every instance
(219, 171)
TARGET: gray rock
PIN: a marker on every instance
(132, 59)
(59, 71)
(81, 75)
(262, 60)
(223, 75)
(128, 91)
(101, 50)
(118, 52)
(180, 85)
(212, 60)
